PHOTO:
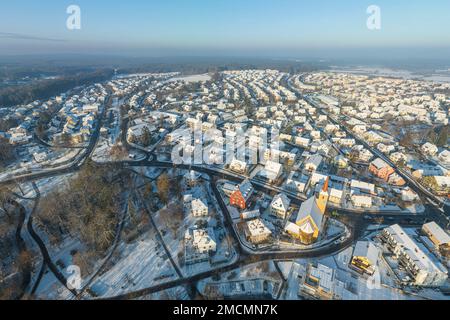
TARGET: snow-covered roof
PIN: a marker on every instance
(368, 250)
(310, 208)
(281, 201)
(256, 227)
(437, 232)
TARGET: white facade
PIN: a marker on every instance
(424, 270)
(199, 208)
(280, 205)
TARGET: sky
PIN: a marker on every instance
(225, 27)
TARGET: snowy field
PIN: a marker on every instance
(193, 78)
(139, 265)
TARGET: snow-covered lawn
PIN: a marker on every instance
(139, 265)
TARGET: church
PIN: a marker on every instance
(311, 219)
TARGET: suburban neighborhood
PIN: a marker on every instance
(245, 184)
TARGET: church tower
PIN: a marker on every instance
(323, 197)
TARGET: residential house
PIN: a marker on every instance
(256, 232)
(280, 205)
(365, 257)
(240, 197)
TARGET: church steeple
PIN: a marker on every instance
(323, 197)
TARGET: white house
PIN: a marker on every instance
(429, 149)
(361, 201)
(444, 156)
(202, 240)
(313, 162)
(238, 166)
(199, 208)
(272, 171)
(280, 205)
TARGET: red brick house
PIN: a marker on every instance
(382, 170)
(241, 195)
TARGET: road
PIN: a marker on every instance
(45, 254)
(161, 238)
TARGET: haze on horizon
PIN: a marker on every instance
(266, 28)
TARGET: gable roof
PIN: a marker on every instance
(281, 201)
(246, 189)
(309, 208)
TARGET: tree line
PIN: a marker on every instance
(44, 89)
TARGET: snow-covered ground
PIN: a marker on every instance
(139, 265)
(193, 78)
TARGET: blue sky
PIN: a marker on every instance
(158, 27)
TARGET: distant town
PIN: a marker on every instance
(101, 196)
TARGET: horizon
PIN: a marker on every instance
(257, 29)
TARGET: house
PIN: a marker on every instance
(296, 183)
(138, 131)
(310, 218)
(271, 172)
(239, 198)
(408, 195)
(361, 201)
(256, 232)
(365, 257)
(341, 162)
(315, 135)
(439, 238)
(347, 142)
(193, 123)
(238, 166)
(302, 142)
(398, 157)
(331, 128)
(18, 139)
(429, 149)
(360, 129)
(382, 170)
(88, 108)
(444, 156)
(386, 149)
(40, 157)
(279, 156)
(318, 178)
(362, 187)
(250, 215)
(199, 208)
(202, 240)
(313, 162)
(365, 155)
(280, 205)
(336, 196)
(373, 138)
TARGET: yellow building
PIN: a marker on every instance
(365, 257)
(310, 218)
